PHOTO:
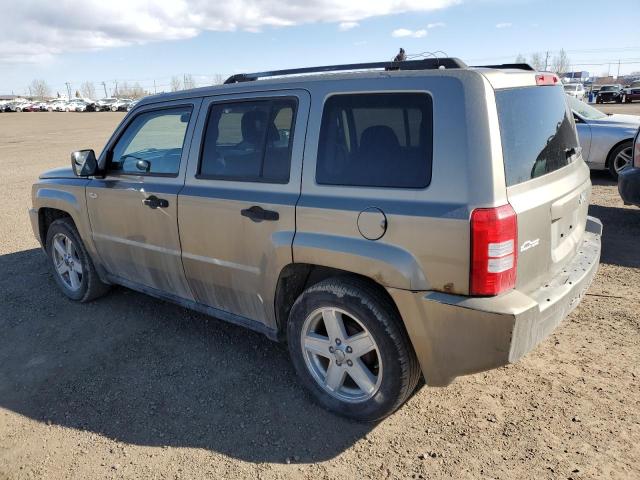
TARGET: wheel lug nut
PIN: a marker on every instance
(338, 342)
(349, 350)
(350, 363)
(339, 364)
(331, 349)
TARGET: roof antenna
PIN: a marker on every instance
(401, 56)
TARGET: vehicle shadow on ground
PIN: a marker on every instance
(146, 372)
(621, 227)
(621, 230)
(602, 177)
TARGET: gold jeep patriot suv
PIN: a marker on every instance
(388, 221)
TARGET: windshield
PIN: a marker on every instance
(570, 88)
(537, 131)
(584, 110)
(608, 88)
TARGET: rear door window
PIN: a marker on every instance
(376, 140)
(537, 131)
(249, 141)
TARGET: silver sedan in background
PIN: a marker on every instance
(606, 140)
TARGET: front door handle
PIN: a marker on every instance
(155, 202)
(258, 214)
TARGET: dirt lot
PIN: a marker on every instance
(130, 387)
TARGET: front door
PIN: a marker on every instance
(134, 210)
(584, 138)
(237, 209)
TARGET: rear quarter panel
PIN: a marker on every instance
(426, 245)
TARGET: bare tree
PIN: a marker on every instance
(131, 91)
(39, 89)
(218, 79)
(88, 90)
(521, 58)
(536, 61)
(561, 63)
(189, 82)
(175, 84)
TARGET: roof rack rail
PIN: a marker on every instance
(424, 64)
(516, 66)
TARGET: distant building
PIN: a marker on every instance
(8, 97)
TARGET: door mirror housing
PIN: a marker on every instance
(84, 163)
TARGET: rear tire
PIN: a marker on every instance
(619, 158)
(70, 263)
(362, 386)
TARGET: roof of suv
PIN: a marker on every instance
(500, 76)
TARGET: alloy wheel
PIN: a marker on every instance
(67, 262)
(622, 159)
(341, 355)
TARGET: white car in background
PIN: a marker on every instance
(606, 140)
(57, 106)
(576, 90)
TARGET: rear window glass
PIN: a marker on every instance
(376, 140)
(537, 130)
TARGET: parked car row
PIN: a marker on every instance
(75, 105)
(604, 93)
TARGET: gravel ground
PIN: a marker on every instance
(131, 387)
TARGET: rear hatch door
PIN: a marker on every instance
(548, 183)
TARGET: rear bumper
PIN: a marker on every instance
(456, 335)
(629, 185)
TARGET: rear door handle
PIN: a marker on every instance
(155, 202)
(258, 214)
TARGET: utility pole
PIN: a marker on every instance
(68, 90)
(115, 91)
(546, 60)
(155, 90)
(104, 85)
(618, 70)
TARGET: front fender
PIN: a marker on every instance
(388, 265)
(67, 195)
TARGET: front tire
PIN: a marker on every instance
(70, 263)
(349, 348)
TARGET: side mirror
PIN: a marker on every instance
(143, 165)
(84, 163)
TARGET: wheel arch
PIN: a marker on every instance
(612, 149)
(295, 278)
(46, 216)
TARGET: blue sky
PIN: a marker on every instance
(476, 31)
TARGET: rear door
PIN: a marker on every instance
(548, 183)
(134, 210)
(237, 209)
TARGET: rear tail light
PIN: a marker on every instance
(494, 256)
(636, 151)
(547, 79)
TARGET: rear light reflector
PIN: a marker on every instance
(494, 256)
(547, 79)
